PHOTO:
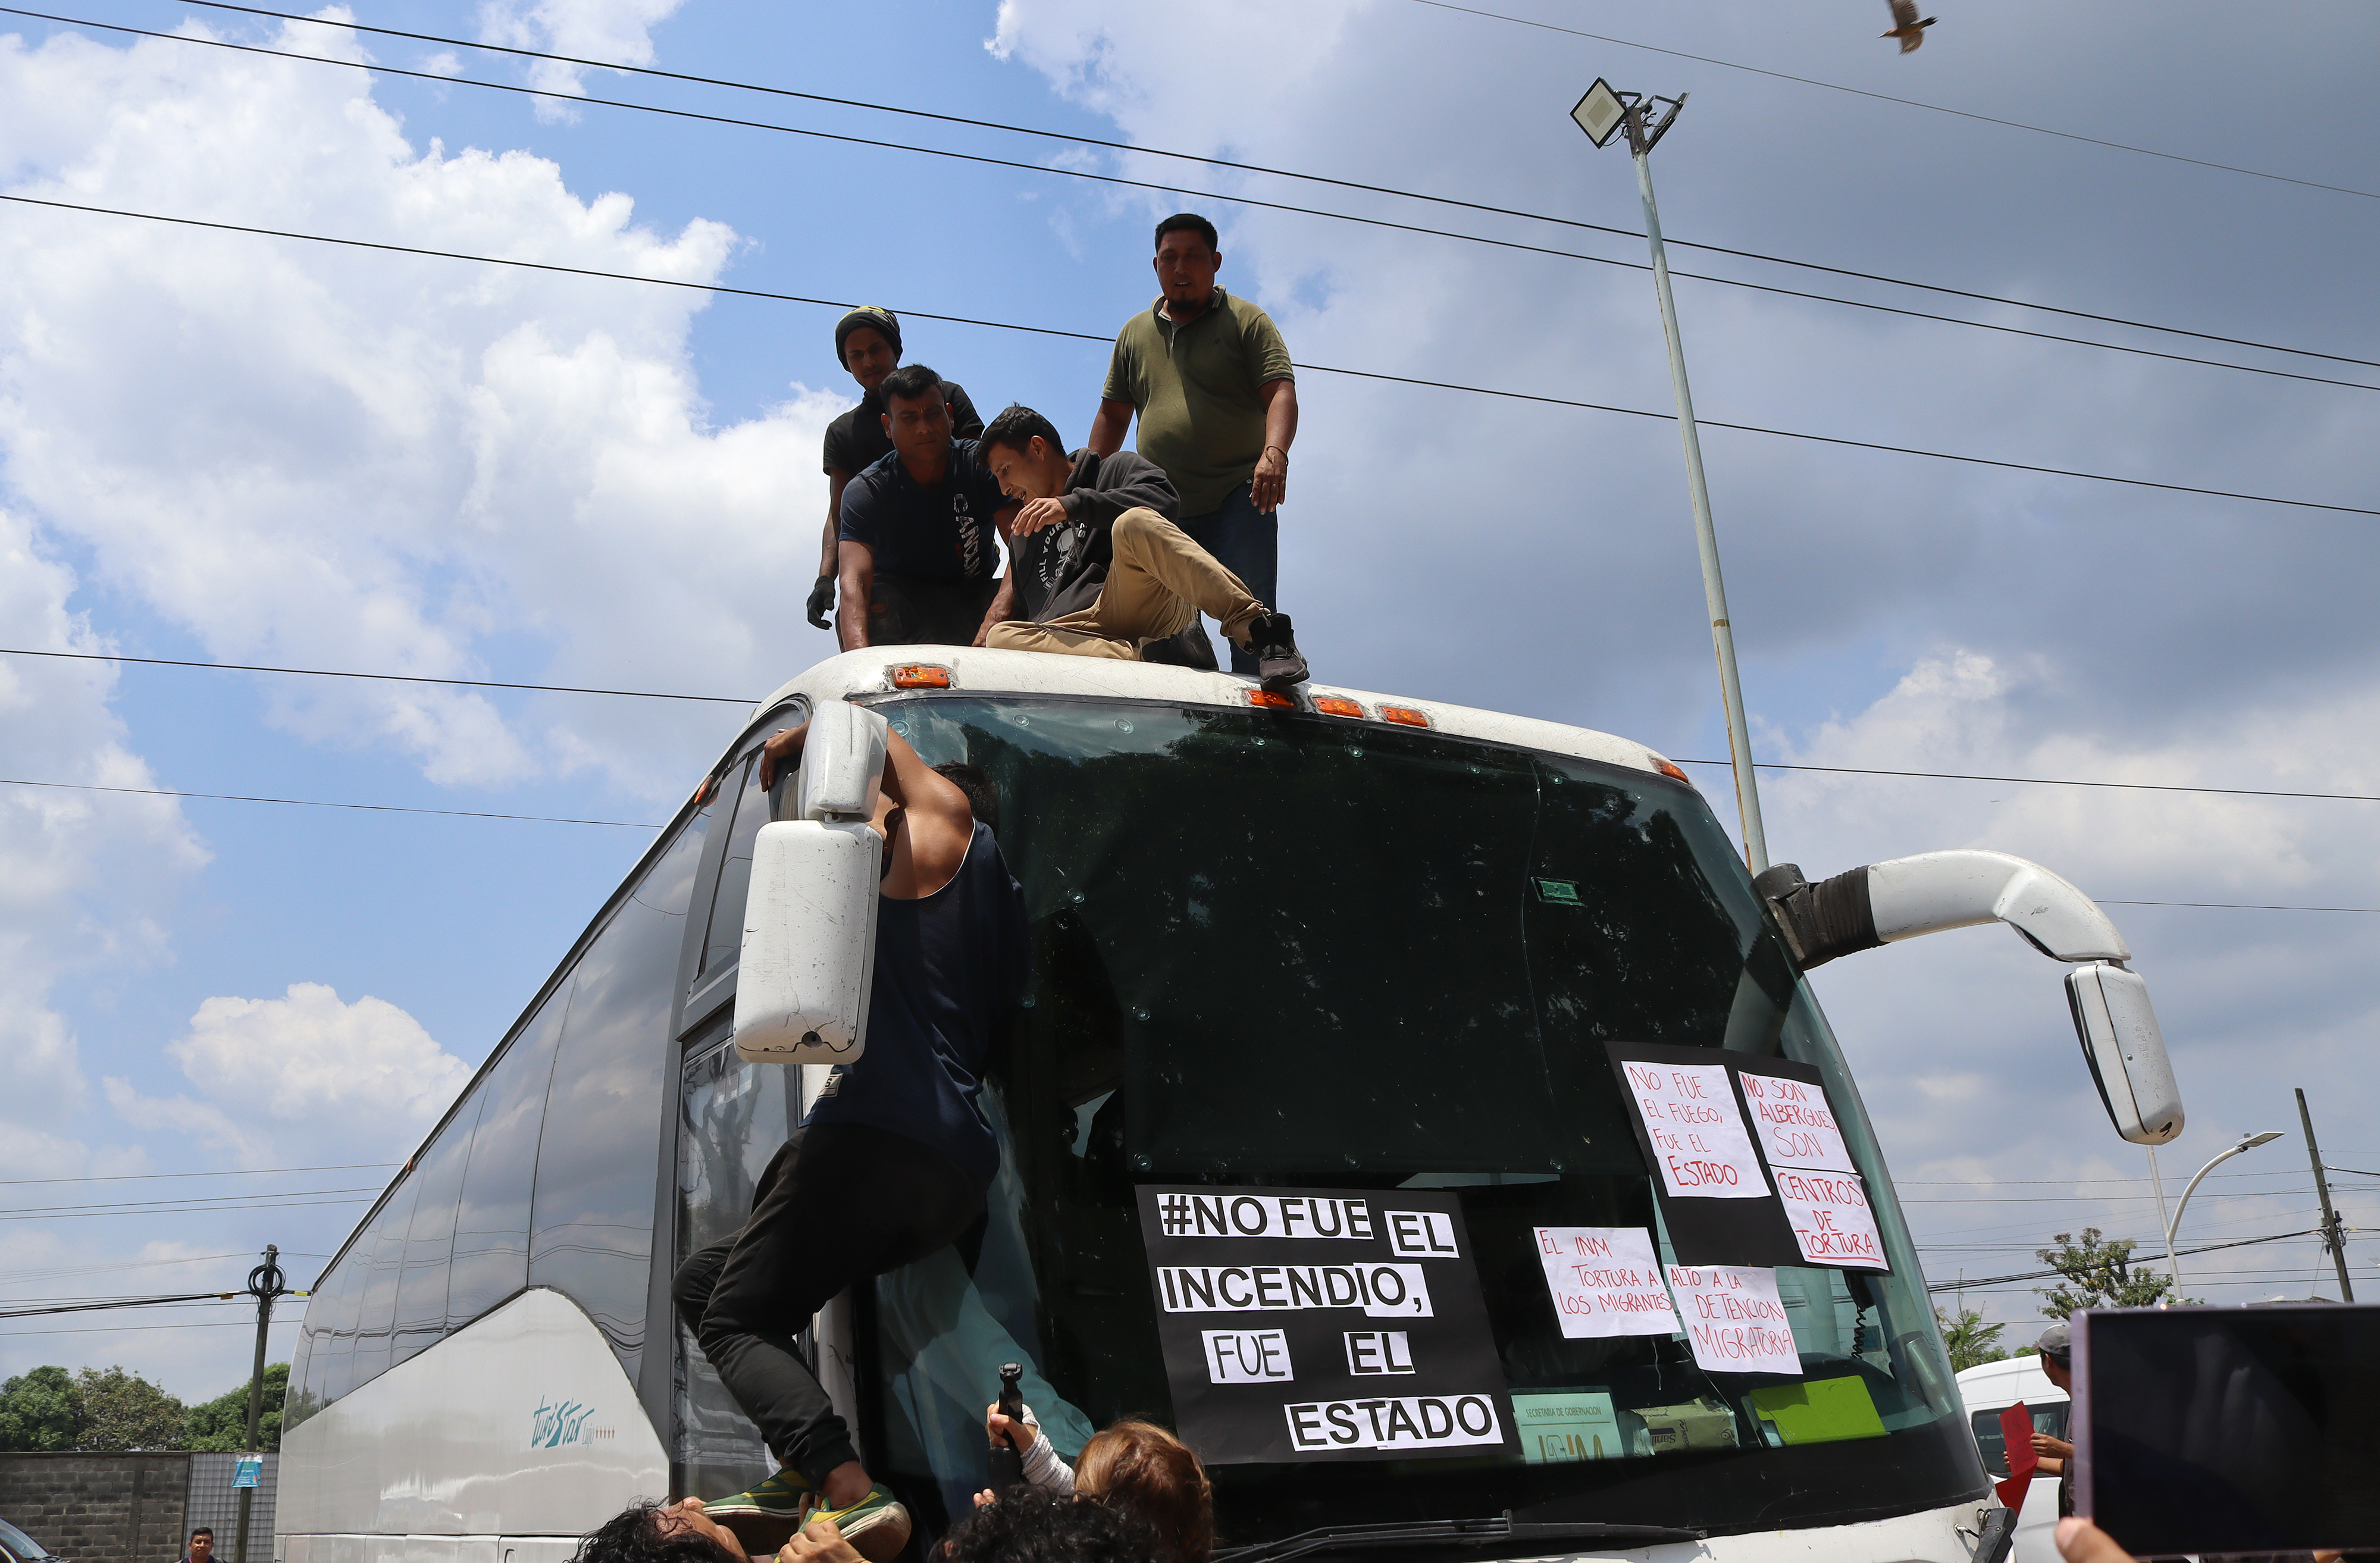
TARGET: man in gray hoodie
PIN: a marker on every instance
(1100, 568)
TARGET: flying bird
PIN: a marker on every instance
(1905, 25)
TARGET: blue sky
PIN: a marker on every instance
(239, 449)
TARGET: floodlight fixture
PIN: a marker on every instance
(1599, 114)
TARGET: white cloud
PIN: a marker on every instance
(617, 31)
(307, 1056)
(308, 456)
(300, 1075)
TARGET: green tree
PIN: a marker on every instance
(220, 1424)
(40, 1409)
(123, 1410)
(1969, 1339)
(2098, 1274)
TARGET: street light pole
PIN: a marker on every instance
(1596, 114)
(2173, 1260)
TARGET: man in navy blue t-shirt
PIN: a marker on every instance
(894, 1159)
(922, 528)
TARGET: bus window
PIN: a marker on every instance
(733, 1117)
(492, 1224)
(377, 1316)
(599, 1156)
(326, 1345)
(725, 940)
(429, 1241)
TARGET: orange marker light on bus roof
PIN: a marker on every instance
(1404, 716)
(1267, 697)
(1672, 771)
(1338, 704)
(920, 676)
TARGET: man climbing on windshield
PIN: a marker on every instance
(1209, 379)
(1099, 569)
(890, 1165)
(867, 343)
(917, 545)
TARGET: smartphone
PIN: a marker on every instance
(2215, 1431)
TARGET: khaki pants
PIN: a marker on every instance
(1159, 584)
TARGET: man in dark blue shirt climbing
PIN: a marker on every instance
(892, 1162)
(921, 530)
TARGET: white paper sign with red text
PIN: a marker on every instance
(1734, 1319)
(1605, 1281)
(1698, 1137)
(1796, 1122)
(1830, 1218)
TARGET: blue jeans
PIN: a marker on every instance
(1247, 542)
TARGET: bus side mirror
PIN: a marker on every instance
(810, 918)
(2125, 1051)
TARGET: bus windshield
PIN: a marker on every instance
(1279, 950)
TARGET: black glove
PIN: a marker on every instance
(822, 603)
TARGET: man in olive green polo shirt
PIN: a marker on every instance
(1211, 380)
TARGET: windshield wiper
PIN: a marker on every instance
(1400, 1534)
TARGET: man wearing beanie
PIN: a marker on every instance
(867, 343)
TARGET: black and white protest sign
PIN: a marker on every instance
(1321, 1324)
(1716, 1199)
(1825, 1198)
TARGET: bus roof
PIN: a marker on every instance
(982, 671)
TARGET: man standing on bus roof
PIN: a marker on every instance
(1211, 380)
(893, 1160)
(1099, 568)
(867, 343)
(916, 543)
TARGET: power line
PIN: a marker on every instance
(232, 1172)
(101, 1304)
(164, 1207)
(1075, 138)
(2056, 1183)
(1911, 102)
(1089, 336)
(318, 802)
(2045, 1275)
(2052, 781)
(576, 98)
(195, 1210)
(739, 700)
(632, 825)
(390, 678)
(189, 1324)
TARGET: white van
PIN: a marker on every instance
(1991, 1389)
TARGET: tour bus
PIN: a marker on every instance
(1372, 951)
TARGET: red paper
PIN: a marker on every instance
(2016, 1428)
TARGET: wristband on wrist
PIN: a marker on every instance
(1284, 451)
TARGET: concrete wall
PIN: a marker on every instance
(100, 1507)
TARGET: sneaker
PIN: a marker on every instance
(769, 1515)
(1279, 662)
(786, 1496)
(876, 1526)
(1191, 648)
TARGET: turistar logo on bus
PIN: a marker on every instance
(557, 1423)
